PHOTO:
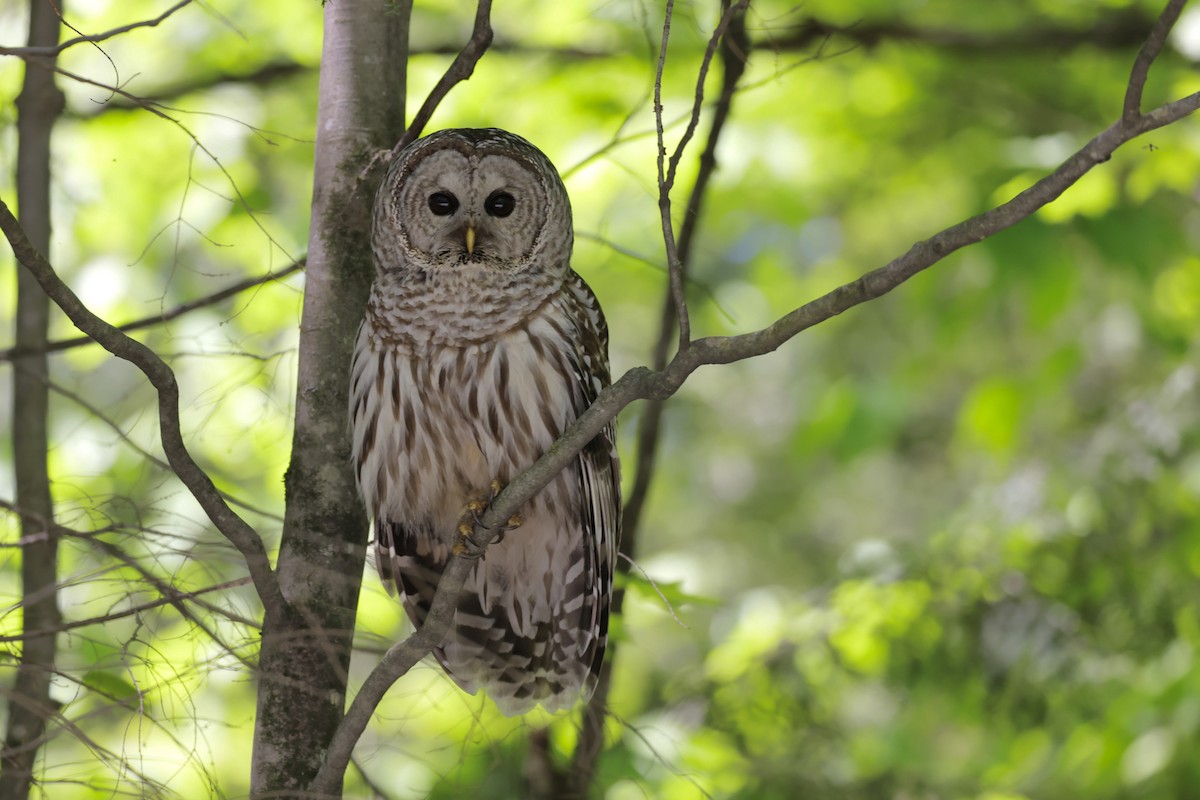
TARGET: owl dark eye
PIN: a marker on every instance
(499, 204)
(443, 203)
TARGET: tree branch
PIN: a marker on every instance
(1145, 57)
(233, 527)
(667, 168)
(166, 316)
(642, 383)
(734, 49)
(460, 69)
(666, 178)
(1115, 30)
(43, 51)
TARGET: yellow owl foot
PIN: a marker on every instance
(467, 546)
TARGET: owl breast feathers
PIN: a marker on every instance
(480, 345)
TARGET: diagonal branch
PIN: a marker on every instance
(26, 52)
(170, 314)
(232, 526)
(174, 596)
(642, 383)
(460, 69)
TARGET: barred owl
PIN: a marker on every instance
(480, 345)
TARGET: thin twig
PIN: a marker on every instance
(1145, 57)
(95, 411)
(667, 168)
(733, 64)
(232, 526)
(1115, 31)
(167, 316)
(734, 50)
(174, 596)
(28, 52)
(460, 69)
(666, 177)
(710, 50)
(160, 111)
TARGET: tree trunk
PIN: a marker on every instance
(306, 653)
(38, 106)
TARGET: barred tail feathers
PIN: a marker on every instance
(531, 625)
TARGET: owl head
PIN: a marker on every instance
(468, 199)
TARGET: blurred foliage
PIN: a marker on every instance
(944, 546)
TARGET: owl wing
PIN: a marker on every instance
(599, 477)
(554, 656)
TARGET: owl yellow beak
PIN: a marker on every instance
(470, 239)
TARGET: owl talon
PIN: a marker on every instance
(466, 546)
(472, 518)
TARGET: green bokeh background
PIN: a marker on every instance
(946, 546)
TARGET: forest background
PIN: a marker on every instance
(945, 545)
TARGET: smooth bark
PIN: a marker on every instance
(306, 651)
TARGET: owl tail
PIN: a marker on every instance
(531, 624)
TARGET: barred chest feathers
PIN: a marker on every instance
(445, 401)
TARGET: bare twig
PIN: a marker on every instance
(733, 65)
(96, 412)
(170, 314)
(714, 41)
(667, 168)
(1145, 57)
(642, 383)
(232, 526)
(53, 50)
(460, 69)
(117, 761)
(666, 176)
(734, 49)
(161, 112)
(1116, 30)
(174, 596)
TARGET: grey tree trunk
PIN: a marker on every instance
(30, 708)
(306, 652)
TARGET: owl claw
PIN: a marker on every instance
(467, 547)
